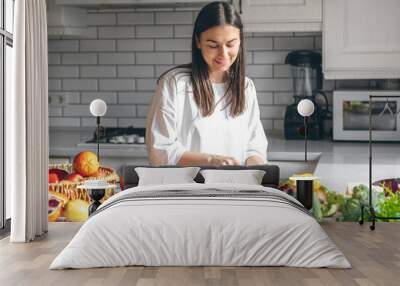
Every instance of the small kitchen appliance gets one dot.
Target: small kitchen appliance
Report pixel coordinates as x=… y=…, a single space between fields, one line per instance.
x=307 y=84
x=351 y=115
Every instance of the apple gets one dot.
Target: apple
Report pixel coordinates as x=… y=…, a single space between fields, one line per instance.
x=74 y=177
x=53 y=178
x=61 y=174
x=100 y=174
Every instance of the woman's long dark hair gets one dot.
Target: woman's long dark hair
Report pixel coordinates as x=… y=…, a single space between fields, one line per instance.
x=215 y=14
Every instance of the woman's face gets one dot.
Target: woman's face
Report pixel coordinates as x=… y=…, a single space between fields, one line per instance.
x=219 y=46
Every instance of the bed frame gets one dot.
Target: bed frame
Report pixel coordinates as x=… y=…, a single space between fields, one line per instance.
x=270 y=179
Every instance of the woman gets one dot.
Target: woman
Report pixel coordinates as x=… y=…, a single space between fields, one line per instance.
x=206 y=112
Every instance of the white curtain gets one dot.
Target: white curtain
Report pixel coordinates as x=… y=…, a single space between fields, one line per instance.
x=27 y=123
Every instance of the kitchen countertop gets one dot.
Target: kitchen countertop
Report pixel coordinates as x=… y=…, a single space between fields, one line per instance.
x=339 y=163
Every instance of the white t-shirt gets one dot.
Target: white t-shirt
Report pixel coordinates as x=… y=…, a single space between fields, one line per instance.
x=175 y=123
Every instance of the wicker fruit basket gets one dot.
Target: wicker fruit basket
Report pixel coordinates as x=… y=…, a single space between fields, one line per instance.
x=69 y=189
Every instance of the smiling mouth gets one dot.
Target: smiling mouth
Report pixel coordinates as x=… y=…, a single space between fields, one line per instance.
x=222 y=63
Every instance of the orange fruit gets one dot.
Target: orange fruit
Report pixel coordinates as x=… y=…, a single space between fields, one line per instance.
x=86 y=163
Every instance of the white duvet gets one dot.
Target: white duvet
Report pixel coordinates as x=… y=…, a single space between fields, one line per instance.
x=183 y=231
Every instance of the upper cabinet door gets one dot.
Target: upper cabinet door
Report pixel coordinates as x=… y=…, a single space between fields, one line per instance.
x=280 y=15
x=361 y=39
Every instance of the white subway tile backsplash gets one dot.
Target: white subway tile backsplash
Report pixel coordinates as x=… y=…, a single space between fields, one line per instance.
x=135 y=45
x=54 y=59
x=138 y=97
x=105 y=122
x=290 y=43
x=146 y=84
x=161 y=69
x=63 y=71
x=135 y=18
x=183 y=31
x=154 y=31
x=154 y=9
x=174 y=18
x=117 y=84
x=188 y=8
x=160 y=58
x=108 y=97
x=64 y=122
x=55 y=111
x=100 y=19
x=278 y=124
x=283 y=98
x=116 y=58
x=135 y=122
x=77 y=110
x=275 y=84
x=264 y=98
x=249 y=58
x=282 y=71
x=136 y=71
x=63 y=46
x=69 y=97
x=259 y=71
x=90 y=33
x=54 y=84
x=269 y=57
x=127 y=49
x=79 y=84
x=173 y=45
x=121 y=111
x=267 y=124
x=79 y=59
x=182 y=58
x=303 y=34
x=142 y=110
x=272 y=112
x=253 y=44
x=115 y=32
x=98 y=71
x=272 y=34
x=112 y=111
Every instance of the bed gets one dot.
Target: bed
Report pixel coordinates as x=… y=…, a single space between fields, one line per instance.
x=198 y=224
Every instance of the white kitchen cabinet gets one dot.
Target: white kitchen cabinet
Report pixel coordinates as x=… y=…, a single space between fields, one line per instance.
x=361 y=39
x=70 y=22
x=280 y=15
x=115 y=3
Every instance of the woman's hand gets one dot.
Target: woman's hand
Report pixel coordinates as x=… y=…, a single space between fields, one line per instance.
x=254 y=160
x=203 y=159
x=217 y=160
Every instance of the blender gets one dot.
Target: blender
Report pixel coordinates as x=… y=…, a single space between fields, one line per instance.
x=306 y=71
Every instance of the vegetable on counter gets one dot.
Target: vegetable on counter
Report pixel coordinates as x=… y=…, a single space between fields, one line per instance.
x=347 y=206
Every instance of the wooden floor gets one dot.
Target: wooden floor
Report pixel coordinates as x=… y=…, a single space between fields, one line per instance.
x=375 y=257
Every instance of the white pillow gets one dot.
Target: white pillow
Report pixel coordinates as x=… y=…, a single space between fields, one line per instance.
x=249 y=177
x=163 y=176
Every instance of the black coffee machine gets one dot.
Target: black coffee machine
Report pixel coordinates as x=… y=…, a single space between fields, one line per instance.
x=307 y=84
